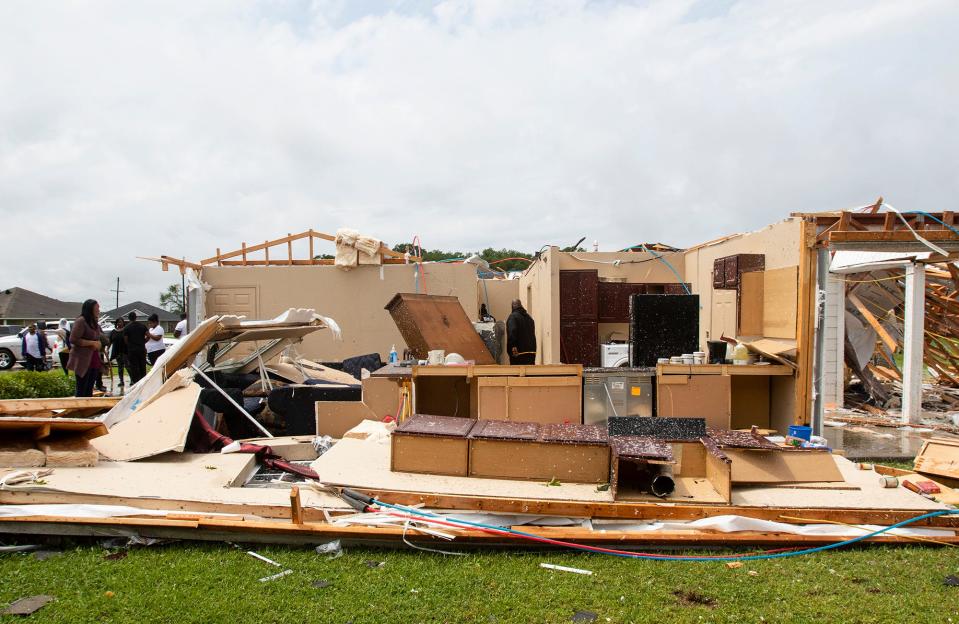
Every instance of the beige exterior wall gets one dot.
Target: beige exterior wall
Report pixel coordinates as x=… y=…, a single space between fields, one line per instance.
x=539 y=292
x=780 y=243
x=355 y=299
x=499 y=293
x=634 y=267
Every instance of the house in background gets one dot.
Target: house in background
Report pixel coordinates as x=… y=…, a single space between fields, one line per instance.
x=19 y=306
x=143 y=310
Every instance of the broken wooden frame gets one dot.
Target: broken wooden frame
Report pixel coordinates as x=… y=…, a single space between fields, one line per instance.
x=240 y=257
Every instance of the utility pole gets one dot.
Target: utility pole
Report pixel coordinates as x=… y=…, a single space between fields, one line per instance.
x=117 y=291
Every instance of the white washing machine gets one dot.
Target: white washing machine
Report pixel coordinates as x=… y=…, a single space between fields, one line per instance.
x=614 y=355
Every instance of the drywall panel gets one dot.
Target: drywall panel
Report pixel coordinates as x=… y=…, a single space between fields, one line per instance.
x=723 y=321
x=752 y=466
x=334 y=418
x=751 y=305
x=779 y=242
x=632 y=267
x=780 y=302
x=354 y=299
x=382 y=396
x=157 y=428
x=539 y=292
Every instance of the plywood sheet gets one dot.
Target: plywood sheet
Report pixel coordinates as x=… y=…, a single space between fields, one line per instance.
x=159 y=427
x=382 y=396
x=40 y=428
x=780 y=302
x=751 y=304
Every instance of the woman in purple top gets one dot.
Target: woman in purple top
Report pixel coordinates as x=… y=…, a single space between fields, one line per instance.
x=85 y=347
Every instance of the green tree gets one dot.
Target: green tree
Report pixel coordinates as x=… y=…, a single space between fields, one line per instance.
x=171 y=299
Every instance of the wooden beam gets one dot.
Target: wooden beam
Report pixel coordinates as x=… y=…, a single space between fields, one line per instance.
x=899 y=236
x=289 y=249
x=266 y=251
x=24 y=406
x=889 y=223
x=311 y=244
x=243 y=249
x=296 y=507
x=805 y=332
x=254 y=248
x=888 y=340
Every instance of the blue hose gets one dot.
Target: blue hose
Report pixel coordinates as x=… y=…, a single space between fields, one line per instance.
x=926 y=214
x=794 y=553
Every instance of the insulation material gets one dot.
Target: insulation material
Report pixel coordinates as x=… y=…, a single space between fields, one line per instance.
x=20 y=453
x=780 y=302
x=158 y=428
x=352 y=249
x=71 y=452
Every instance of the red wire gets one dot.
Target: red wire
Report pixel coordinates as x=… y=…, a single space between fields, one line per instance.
x=547 y=540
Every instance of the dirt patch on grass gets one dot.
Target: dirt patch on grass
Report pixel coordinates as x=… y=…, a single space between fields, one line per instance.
x=694 y=599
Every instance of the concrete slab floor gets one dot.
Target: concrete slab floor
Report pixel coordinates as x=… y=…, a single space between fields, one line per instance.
x=868 y=441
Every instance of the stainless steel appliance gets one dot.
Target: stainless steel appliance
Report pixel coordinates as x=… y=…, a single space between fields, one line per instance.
x=608 y=393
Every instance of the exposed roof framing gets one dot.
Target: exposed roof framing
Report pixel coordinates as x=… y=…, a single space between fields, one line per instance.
x=240 y=257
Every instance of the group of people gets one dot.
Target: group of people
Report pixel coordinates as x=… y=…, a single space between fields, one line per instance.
x=130 y=344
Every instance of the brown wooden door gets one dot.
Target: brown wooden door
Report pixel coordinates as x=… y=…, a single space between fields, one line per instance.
x=614 y=300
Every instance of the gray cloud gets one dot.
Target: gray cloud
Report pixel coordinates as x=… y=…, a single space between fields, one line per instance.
x=133 y=129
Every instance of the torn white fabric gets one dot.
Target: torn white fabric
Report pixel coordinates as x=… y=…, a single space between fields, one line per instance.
x=346 y=254
x=332 y=325
x=733 y=524
x=85 y=511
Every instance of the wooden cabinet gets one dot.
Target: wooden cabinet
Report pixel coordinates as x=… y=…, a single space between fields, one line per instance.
x=541 y=400
x=579 y=342
x=727 y=270
x=614 y=300
x=578 y=295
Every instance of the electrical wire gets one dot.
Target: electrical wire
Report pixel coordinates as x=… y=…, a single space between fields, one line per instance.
x=934 y=218
x=869 y=281
x=922 y=240
x=655 y=556
x=666 y=262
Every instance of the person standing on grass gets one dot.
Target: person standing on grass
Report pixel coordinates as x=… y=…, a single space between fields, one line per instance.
x=181 y=328
x=118 y=348
x=85 y=348
x=155 y=344
x=135 y=337
x=34 y=348
x=63 y=333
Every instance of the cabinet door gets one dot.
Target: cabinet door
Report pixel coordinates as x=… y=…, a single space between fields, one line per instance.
x=578 y=295
x=719 y=273
x=579 y=343
x=732 y=271
x=614 y=300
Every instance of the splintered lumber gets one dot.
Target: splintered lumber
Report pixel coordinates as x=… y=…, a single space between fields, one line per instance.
x=73 y=452
x=43 y=427
x=20 y=453
x=63 y=407
x=939 y=456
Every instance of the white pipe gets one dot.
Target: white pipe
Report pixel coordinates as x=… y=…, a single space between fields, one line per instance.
x=234 y=403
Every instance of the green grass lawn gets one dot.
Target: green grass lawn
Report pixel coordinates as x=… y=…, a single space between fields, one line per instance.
x=186 y=582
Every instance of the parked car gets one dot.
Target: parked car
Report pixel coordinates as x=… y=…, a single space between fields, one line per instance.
x=10 y=348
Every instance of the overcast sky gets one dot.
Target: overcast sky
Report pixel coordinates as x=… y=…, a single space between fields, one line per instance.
x=148 y=128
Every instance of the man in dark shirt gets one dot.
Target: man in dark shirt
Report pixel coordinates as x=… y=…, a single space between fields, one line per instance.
x=118 y=348
x=135 y=336
x=520 y=336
